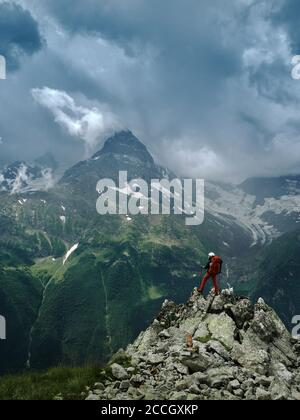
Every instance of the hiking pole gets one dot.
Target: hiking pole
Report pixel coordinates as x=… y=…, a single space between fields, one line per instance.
x=201 y=275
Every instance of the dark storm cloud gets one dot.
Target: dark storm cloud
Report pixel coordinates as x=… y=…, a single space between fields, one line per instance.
x=205 y=84
x=19 y=33
x=183 y=57
x=186 y=36
x=288 y=15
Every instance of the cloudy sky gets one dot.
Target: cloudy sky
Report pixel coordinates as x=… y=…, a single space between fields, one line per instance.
x=206 y=84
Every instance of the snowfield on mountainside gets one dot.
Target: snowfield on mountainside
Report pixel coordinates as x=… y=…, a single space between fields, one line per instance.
x=243 y=209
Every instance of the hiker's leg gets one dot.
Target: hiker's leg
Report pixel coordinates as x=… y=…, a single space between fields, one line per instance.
x=204 y=281
x=215 y=281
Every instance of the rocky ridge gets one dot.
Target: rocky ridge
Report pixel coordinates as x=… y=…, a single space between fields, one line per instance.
x=222 y=348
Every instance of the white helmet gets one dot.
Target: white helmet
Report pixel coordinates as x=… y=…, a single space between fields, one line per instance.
x=211 y=254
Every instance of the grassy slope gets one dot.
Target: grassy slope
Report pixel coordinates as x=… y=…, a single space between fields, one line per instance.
x=20 y=296
x=109 y=290
x=111 y=287
x=60 y=383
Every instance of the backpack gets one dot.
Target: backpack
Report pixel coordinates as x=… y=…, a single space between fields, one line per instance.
x=216 y=265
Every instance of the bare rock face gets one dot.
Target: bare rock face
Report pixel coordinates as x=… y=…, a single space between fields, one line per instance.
x=219 y=348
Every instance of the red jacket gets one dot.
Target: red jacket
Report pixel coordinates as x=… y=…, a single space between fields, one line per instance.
x=215 y=266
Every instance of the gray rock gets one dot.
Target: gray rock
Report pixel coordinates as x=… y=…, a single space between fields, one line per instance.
x=181 y=368
x=190 y=325
x=252 y=354
x=263 y=395
x=200 y=378
x=93 y=397
x=242 y=312
x=217 y=347
x=178 y=396
x=119 y=372
x=135 y=393
x=155 y=359
x=137 y=379
x=228 y=396
x=234 y=384
x=164 y=334
x=181 y=385
x=239 y=393
x=194 y=389
x=248 y=384
x=202 y=334
x=197 y=363
x=193 y=397
x=249 y=395
x=280 y=372
x=222 y=329
x=124 y=385
x=263 y=381
x=279 y=391
x=296 y=395
x=98 y=392
x=264 y=327
x=220 y=377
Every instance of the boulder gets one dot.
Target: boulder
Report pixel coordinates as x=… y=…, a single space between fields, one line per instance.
x=202 y=334
x=238 y=352
x=119 y=372
x=220 y=377
x=155 y=359
x=222 y=329
x=252 y=354
x=263 y=395
x=197 y=362
x=241 y=312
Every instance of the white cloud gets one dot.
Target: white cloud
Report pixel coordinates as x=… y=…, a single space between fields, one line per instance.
x=188 y=160
x=151 y=64
x=89 y=124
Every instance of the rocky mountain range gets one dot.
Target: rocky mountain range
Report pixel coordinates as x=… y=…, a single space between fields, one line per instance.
x=21 y=177
x=222 y=348
x=76 y=286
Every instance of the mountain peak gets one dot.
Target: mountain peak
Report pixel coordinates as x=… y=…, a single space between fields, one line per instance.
x=125 y=143
x=222 y=348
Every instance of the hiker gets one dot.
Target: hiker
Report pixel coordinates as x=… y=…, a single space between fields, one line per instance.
x=213 y=267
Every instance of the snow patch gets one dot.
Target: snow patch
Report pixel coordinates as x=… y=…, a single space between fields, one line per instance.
x=70 y=252
x=63 y=219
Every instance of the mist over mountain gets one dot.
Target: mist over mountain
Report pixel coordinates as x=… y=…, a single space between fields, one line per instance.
x=19 y=177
